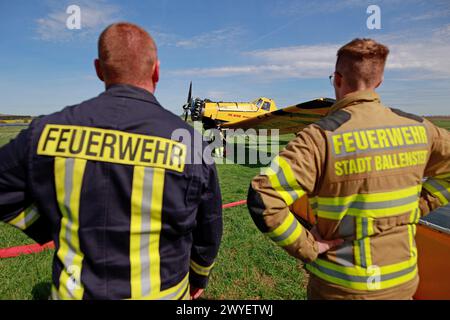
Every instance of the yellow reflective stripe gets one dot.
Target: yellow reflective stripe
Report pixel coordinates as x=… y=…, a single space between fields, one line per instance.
x=25 y=219
x=156 y=226
x=356 y=243
x=187 y=295
x=287 y=232
x=145 y=231
x=135 y=232
x=439 y=188
x=176 y=292
x=386 y=284
x=399 y=280
x=415 y=216
x=435 y=193
x=374 y=205
x=411 y=236
x=200 y=270
x=283 y=180
x=361 y=246
x=360 y=271
x=54 y=293
x=371 y=197
x=358 y=278
x=290 y=176
x=287 y=198
x=442 y=176
x=367 y=242
x=370 y=213
x=313 y=203
x=68 y=184
x=293 y=237
x=443 y=183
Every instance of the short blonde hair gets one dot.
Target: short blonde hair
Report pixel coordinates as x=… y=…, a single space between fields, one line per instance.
x=362 y=61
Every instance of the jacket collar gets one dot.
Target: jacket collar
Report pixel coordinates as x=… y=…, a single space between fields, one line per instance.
x=354 y=98
x=130 y=91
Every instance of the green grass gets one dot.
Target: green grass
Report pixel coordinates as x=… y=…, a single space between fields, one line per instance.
x=442 y=123
x=7 y=133
x=248 y=266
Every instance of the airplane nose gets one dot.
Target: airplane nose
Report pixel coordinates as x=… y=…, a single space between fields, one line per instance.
x=197 y=109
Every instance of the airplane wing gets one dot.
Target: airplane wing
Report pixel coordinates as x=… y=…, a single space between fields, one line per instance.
x=288 y=120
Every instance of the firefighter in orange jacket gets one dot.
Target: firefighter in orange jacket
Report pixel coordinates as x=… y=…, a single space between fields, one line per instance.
x=362 y=168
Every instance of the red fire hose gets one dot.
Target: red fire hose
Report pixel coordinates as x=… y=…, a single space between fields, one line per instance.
x=35 y=248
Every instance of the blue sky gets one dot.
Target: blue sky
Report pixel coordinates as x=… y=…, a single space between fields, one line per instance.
x=231 y=50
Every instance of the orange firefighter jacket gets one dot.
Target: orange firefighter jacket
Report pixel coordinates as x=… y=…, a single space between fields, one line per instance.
x=370 y=172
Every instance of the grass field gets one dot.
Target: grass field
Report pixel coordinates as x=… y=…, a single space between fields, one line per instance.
x=442 y=123
x=249 y=266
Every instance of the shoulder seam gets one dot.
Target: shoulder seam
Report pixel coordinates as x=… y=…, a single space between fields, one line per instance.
x=334 y=120
x=407 y=115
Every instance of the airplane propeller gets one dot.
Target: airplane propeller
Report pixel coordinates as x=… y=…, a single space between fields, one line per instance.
x=188 y=104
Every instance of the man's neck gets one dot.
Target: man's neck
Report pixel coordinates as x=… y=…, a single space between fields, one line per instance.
x=148 y=87
x=345 y=94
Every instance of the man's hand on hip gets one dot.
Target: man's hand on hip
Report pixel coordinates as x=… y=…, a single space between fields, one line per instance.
x=325 y=245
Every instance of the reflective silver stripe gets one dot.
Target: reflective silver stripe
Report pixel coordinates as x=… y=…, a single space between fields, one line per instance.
x=344 y=255
x=439 y=188
x=183 y=287
x=30 y=216
x=25 y=219
x=362 y=279
x=287 y=233
x=54 y=294
x=282 y=179
x=145 y=232
x=361 y=205
x=197 y=268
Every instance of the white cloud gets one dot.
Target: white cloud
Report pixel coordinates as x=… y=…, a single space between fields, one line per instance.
x=436 y=14
x=421 y=58
x=308 y=8
x=287 y=62
x=95 y=15
x=214 y=38
x=412 y=58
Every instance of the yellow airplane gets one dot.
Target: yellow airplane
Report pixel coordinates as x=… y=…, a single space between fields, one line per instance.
x=261 y=113
x=433 y=232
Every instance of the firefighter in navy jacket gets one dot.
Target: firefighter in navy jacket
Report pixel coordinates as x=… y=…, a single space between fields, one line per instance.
x=133 y=212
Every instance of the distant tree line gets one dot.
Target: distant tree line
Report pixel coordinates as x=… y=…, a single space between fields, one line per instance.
x=15 y=119
x=438 y=117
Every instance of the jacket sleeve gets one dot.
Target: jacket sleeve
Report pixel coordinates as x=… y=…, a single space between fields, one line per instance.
x=436 y=188
x=295 y=172
x=208 y=232
x=16 y=204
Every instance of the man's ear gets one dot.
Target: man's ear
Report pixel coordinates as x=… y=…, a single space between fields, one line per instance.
x=98 y=70
x=155 y=75
x=337 y=80
x=379 y=83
